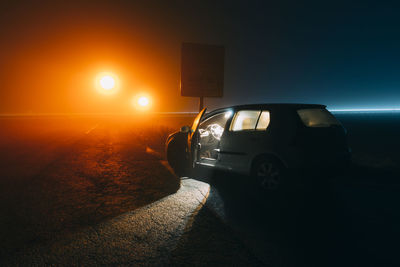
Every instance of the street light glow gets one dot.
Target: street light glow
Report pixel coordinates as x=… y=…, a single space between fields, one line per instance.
x=107 y=82
x=143 y=101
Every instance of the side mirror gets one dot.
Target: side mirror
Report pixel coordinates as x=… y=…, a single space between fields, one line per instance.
x=185 y=129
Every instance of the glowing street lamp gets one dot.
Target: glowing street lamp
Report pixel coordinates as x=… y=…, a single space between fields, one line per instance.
x=107 y=83
x=143 y=101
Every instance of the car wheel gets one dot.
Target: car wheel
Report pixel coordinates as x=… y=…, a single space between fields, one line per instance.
x=268 y=174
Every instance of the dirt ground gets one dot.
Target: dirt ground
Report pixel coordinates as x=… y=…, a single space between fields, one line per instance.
x=59 y=175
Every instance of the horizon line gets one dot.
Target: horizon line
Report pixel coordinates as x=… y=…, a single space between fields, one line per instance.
x=176 y=112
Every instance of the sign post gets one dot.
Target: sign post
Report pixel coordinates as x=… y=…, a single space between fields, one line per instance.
x=202 y=71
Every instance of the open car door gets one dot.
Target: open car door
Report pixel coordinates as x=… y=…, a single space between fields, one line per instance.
x=193 y=137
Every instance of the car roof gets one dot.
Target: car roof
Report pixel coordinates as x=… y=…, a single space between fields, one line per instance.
x=271 y=106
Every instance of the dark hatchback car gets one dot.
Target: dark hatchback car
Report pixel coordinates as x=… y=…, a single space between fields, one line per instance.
x=262 y=141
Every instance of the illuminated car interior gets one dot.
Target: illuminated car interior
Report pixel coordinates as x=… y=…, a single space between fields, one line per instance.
x=210 y=131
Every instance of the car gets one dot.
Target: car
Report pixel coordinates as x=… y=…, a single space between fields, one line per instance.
x=261 y=141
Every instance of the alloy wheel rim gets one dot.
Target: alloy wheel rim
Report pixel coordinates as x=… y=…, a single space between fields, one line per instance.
x=268 y=176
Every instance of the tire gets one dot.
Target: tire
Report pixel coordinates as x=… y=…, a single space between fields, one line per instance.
x=269 y=174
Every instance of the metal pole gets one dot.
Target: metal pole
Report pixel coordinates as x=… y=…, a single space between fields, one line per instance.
x=201 y=106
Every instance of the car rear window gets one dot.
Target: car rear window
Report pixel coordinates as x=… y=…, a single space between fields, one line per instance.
x=317 y=117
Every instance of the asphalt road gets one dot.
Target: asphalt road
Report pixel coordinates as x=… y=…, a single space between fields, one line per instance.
x=96 y=191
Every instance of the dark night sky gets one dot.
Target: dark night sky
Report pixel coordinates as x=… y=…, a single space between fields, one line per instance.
x=342 y=54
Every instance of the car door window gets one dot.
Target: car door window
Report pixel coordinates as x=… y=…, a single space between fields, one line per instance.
x=211 y=130
x=245 y=120
x=250 y=120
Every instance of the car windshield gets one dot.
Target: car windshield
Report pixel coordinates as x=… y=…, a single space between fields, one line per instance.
x=317 y=117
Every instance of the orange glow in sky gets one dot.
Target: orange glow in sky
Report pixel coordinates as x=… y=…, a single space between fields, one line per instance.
x=88 y=58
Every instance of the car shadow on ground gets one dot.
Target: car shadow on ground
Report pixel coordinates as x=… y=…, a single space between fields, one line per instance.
x=347 y=219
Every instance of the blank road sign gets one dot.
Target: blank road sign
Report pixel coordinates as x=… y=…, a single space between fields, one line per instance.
x=202 y=70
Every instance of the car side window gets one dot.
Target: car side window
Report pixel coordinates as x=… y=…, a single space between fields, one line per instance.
x=263 y=121
x=317 y=117
x=211 y=130
x=214 y=126
x=250 y=120
x=245 y=120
